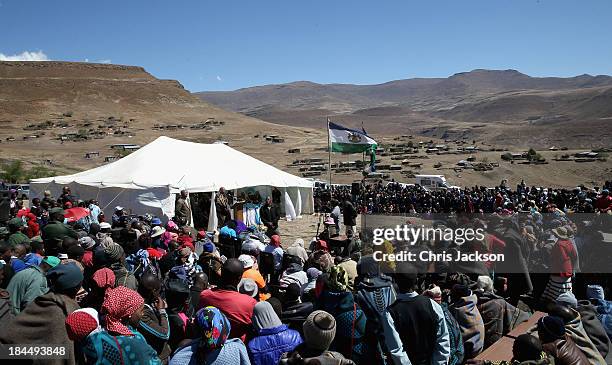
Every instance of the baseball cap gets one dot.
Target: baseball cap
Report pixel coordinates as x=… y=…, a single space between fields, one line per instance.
x=17 y=222
x=57 y=210
x=51 y=261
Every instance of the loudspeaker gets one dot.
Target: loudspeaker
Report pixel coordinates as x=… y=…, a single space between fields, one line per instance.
x=5 y=205
x=355 y=188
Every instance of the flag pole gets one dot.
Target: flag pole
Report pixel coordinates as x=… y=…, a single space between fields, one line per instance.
x=329 y=154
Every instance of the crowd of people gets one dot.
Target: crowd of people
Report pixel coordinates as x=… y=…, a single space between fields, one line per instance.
x=144 y=290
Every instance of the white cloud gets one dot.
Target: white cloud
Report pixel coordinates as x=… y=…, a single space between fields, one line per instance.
x=219 y=78
x=104 y=61
x=25 y=56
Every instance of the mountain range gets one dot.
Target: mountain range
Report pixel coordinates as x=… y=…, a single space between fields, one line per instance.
x=494 y=102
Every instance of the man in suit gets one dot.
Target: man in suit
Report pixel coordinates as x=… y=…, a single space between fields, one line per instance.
x=269 y=217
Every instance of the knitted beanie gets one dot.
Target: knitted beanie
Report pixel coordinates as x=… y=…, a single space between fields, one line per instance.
x=567 y=299
x=551 y=327
x=114 y=252
x=319 y=330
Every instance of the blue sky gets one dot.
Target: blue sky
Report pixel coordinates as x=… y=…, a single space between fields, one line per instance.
x=225 y=45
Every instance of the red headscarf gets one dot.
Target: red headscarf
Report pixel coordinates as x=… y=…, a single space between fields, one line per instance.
x=104 y=278
x=321 y=245
x=81 y=323
x=119 y=304
x=275 y=240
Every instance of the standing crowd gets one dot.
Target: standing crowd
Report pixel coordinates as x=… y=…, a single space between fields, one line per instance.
x=132 y=289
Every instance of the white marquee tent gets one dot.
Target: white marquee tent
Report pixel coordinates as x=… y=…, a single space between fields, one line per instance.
x=147 y=180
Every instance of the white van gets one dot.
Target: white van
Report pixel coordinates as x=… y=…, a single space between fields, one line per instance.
x=433 y=182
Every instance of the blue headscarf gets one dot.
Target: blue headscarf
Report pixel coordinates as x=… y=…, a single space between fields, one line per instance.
x=215 y=328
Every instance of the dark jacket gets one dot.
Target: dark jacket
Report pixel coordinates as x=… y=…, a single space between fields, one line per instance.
x=6 y=311
x=56 y=231
x=182 y=210
x=294 y=314
x=269 y=215
x=123 y=277
x=593 y=327
x=565 y=352
x=155 y=328
x=349 y=215
x=271 y=343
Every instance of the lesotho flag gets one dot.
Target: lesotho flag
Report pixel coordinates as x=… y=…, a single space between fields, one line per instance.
x=347 y=140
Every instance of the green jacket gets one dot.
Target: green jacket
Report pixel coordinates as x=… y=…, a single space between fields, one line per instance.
x=57 y=231
x=17 y=238
x=26 y=286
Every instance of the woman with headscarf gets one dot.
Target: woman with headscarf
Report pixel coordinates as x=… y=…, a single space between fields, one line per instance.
x=297 y=249
x=101 y=280
x=272 y=337
x=82 y=323
x=312 y=274
x=100 y=347
x=123 y=308
x=213 y=347
x=294 y=273
x=188 y=260
x=337 y=300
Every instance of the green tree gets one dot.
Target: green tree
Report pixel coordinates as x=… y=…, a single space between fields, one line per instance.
x=13 y=172
x=39 y=171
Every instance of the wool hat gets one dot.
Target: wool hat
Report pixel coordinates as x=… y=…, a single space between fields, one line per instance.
x=157 y=231
x=567 y=299
x=248 y=287
x=313 y=273
x=560 y=232
x=208 y=247
x=87 y=242
x=51 y=261
x=75 y=251
x=434 y=293
x=485 y=283
x=247 y=261
x=319 y=330
x=114 y=252
x=461 y=291
x=552 y=327
x=65 y=276
x=595 y=292
x=293 y=291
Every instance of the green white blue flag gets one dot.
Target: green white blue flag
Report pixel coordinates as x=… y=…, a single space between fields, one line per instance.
x=347 y=140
